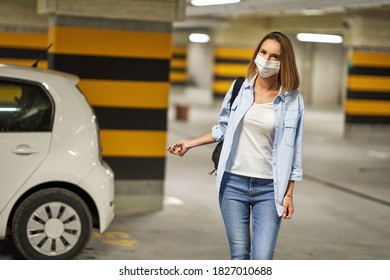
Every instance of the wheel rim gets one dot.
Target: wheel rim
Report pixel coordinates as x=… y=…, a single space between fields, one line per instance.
x=54 y=228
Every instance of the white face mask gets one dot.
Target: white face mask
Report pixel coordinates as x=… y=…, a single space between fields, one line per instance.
x=267 y=68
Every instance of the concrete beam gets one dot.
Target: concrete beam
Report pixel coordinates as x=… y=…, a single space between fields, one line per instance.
x=21 y=15
x=369 y=32
x=246 y=32
x=150 y=10
x=358 y=30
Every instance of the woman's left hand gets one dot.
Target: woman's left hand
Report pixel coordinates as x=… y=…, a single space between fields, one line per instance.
x=288 y=207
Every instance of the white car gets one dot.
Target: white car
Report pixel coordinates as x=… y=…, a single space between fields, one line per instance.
x=54 y=186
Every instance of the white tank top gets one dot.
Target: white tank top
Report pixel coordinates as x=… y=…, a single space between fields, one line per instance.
x=253 y=157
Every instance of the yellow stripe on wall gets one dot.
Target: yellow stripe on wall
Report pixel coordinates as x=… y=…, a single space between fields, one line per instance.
x=367 y=107
x=226 y=69
x=134 y=143
x=130 y=94
x=368 y=83
x=233 y=53
x=222 y=86
x=105 y=42
x=175 y=76
x=179 y=50
x=23 y=40
x=178 y=63
x=370 y=59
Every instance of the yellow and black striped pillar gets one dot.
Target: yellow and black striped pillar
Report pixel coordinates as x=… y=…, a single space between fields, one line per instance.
x=124 y=69
x=178 y=74
x=23 y=48
x=368 y=88
x=229 y=63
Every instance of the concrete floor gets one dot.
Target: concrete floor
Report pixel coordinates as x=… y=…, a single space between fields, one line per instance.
x=342 y=207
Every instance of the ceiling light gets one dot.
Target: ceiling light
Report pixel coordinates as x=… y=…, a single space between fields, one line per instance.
x=319 y=38
x=199 y=38
x=212 y=2
x=313 y=12
x=9 y=109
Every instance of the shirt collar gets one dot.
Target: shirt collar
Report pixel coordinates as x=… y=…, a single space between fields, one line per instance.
x=281 y=94
x=252 y=82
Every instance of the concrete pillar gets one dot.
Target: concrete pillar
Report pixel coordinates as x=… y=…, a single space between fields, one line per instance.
x=229 y=64
x=121 y=50
x=200 y=61
x=178 y=74
x=367 y=103
x=327 y=75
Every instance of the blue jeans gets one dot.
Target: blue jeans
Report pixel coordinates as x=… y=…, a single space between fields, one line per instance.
x=239 y=197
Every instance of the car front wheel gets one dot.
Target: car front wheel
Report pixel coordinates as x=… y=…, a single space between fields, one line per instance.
x=51 y=224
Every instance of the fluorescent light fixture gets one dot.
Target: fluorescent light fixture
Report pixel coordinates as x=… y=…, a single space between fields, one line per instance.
x=199 y=38
x=213 y=2
x=9 y=109
x=319 y=38
x=313 y=12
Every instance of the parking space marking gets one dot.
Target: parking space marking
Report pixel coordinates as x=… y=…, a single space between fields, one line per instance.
x=116 y=238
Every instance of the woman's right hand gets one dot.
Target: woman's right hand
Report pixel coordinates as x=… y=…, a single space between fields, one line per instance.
x=182 y=147
x=179 y=148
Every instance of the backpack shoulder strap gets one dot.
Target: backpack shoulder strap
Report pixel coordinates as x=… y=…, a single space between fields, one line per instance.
x=236 y=89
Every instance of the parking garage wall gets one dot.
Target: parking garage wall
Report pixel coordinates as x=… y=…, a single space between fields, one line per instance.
x=23 y=47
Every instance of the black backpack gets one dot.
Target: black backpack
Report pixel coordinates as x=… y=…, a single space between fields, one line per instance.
x=218 y=148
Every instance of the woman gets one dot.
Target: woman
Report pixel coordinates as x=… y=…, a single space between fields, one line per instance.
x=261 y=156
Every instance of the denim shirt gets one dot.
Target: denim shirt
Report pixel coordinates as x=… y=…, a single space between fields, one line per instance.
x=287 y=147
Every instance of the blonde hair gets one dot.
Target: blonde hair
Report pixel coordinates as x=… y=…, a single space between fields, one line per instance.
x=288 y=76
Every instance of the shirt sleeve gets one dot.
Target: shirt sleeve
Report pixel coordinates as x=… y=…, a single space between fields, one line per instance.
x=297 y=171
x=218 y=130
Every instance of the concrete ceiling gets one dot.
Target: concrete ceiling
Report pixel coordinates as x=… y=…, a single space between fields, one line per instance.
x=212 y=17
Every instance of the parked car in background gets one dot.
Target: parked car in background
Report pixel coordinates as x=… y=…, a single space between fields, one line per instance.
x=54 y=186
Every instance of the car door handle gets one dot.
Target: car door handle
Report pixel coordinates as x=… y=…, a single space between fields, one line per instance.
x=24 y=150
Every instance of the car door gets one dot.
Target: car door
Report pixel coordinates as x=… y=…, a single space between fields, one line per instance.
x=26 y=116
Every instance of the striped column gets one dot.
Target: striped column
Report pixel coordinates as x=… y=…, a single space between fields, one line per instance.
x=229 y=63
x=23 y=48
x=124 y=69
x=178 y=74
x=368 y=92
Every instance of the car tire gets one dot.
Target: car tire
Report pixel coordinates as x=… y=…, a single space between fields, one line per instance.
x=51 y=224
